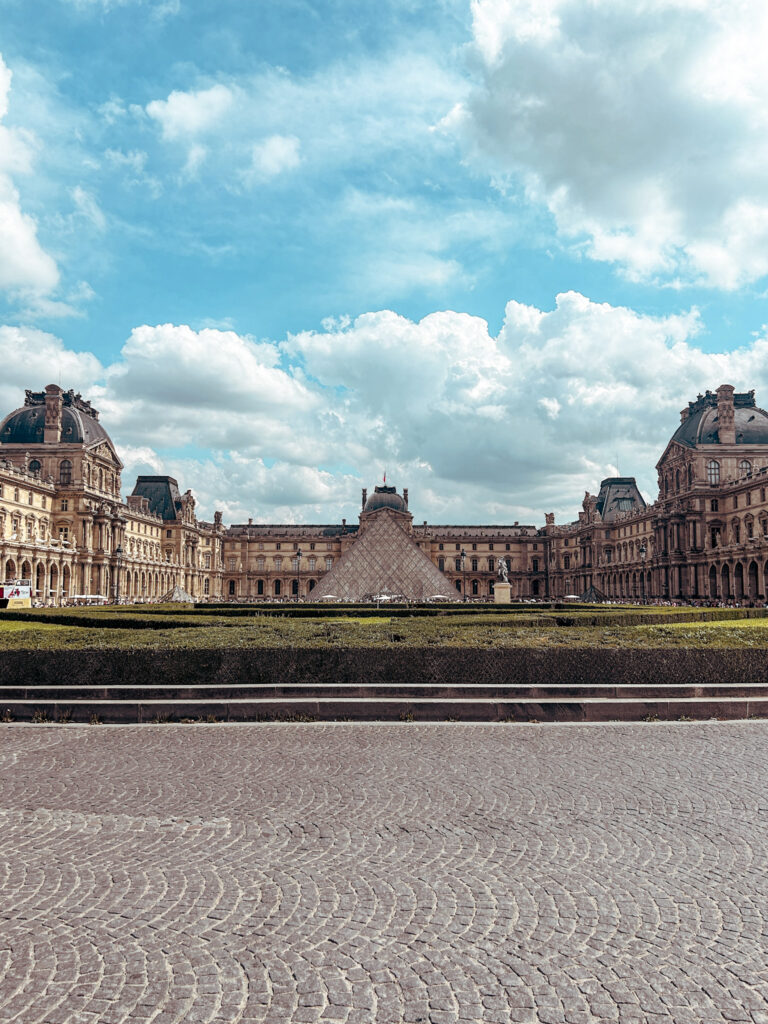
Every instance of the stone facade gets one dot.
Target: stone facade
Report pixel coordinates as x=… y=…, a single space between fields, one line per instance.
x=64 y=524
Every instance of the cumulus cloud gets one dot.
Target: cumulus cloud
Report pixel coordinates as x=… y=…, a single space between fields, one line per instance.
x=186 y=115
x=481 y=427
x=640 y=126
x=274 y=155
x=25 y=267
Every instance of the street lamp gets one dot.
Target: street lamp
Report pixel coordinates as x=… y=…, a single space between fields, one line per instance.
x=643 y=553
x=298 y=574
x=464 y=574
x=118 y=560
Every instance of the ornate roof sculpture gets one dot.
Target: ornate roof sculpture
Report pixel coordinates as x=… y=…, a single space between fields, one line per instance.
x=703 y=421
x=383 y=560
x=78 y=422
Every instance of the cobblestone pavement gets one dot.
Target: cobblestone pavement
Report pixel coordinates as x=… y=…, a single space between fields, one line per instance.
x=384 y=873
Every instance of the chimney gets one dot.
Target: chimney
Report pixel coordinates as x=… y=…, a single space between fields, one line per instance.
x=684 y=413
x=726 y=428
x=250 y=521
x=405 y=496
x=365 y=497
x=53 y=404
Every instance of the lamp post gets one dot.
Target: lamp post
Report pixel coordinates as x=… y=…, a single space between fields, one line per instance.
x=298 y=574
x=643 y=553
x=463 y=575
x=118 y=560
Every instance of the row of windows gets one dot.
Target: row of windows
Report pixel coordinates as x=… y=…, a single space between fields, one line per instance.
x=278 y=564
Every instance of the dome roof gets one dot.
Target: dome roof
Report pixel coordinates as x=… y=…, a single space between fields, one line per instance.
x=79 y=422
x=385 y=497
x=701 y=424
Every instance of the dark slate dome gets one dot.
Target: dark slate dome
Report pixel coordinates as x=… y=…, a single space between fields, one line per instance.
x=79 y=422
x=701 y=424
x=385 y=497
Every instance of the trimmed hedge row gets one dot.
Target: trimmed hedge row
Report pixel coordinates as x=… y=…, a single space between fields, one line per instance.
x=380 y=667
x=94 y=620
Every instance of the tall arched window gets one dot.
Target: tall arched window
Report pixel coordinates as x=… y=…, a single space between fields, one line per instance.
x=34 y=466
x=277 y=588
x=745 y=466
x=65 y=472
x=713 y=472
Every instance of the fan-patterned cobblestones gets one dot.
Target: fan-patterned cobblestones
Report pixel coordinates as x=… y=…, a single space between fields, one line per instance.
x=404 y=873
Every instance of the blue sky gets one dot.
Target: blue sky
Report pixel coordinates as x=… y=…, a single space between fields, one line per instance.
x=491 y=246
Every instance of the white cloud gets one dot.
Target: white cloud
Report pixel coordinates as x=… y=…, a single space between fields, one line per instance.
x=186 y=115
x=274 y=155
x=480 y=426
x=641 y=126
x=25 y=267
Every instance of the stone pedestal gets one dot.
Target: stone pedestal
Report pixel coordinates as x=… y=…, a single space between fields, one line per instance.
x=501 y=592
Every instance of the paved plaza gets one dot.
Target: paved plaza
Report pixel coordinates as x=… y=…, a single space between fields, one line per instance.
x=425 y=874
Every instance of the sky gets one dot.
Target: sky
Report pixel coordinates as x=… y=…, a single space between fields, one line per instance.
x=489 y=247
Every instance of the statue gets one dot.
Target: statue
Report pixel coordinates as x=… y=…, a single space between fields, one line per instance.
x=503 y=571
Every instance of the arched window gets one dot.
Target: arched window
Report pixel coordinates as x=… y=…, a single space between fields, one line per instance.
x=311 y=584
x=745 y=466
x=277 y=588
x=231 y=588
x=713 y=472
x=260 y=587
x=34 y=466
x=458 y=585
x=65 y=472
x=475 y=588
x=295 y=588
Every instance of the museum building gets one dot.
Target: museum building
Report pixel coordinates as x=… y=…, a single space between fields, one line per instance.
x=65 y=526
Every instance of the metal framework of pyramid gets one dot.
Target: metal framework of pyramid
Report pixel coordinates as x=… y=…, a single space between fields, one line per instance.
x=384 y=560
x=177 y=594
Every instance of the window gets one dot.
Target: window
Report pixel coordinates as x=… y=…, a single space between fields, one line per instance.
x=535 y=547
x=64 y=505
x=260 y=563
x=260 y=587
x=15 y=493
x=328 y=564
x=232 y=564
x=278 y=563
x=312 y=547
x=457 y=562
x=295 y=546
x=474 y=562
x=713 y=472
x=677 y=479
x=735 y=501
x=491 y=565
x=475 y=588
x=207 y=561
x=714 y=505
x=207 y=587
x=749 y=497
x=63 y=533
x=736 y=531
x=441 y=564
x=34 y=466
x=169 y=533
x=567 y=562
x=295 y=588
x=277 y=546
x=231 y=588
x=277 y=588
x=490 y=546
x=295 y=563
x=745 y=466
x=312 y=564
x=474 y=547
x=458 y=585
x=458 y=547
x=30 y=498
x=535 y=565
x=506 y=547
x=44 y=502
x=439 y=547
x=750 y=529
